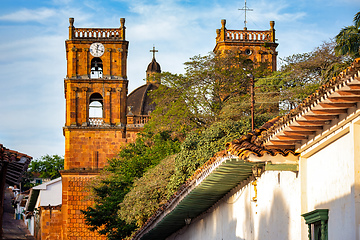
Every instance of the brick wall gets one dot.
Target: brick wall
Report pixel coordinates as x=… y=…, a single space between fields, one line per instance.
x=91 y=148
x=76 y=198
x=50 y=223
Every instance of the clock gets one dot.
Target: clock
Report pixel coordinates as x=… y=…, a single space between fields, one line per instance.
x=248 y=52
x=97 y=49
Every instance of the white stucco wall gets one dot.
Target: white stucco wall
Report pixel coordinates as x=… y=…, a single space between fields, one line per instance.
x=52 y=195
x=49 y=193
x=275 y=215
x=330 y=183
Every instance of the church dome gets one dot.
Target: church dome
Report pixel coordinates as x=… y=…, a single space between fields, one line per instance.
x=153 y=67
x=138 y=102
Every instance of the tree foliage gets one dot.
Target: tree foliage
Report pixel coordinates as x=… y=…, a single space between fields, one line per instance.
x=47 y=166
x=148 y=193
x=199 y=147
x=299 y=76
x=348 y=39
x=110 y=188
x=194 y=100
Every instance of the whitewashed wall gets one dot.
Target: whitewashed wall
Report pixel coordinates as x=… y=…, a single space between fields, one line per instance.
x=52 y=195
x=330 y=185
x=275 y=214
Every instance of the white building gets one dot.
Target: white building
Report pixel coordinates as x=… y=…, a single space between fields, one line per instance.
x=48 y=194
x=298 y=177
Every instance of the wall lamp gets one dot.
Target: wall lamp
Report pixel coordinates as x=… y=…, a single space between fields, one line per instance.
x=256 y=171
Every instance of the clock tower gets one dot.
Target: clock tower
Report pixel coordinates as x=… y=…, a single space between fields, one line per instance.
x=96 y=88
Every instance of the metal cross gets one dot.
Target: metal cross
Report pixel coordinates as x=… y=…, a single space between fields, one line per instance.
x=154 y=51
x=245 y=8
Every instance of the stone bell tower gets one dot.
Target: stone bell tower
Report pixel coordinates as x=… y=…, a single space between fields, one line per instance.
x=96 y=93
x=258 y=46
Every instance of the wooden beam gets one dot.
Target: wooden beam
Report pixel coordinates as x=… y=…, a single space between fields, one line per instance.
x=284 y=142
x=354 y=86
x=298 y=133
x=329 y=111
x=305 y=128
x=319 y=117
x=348 y=92
x=292 y=137
x=337 y=105
x=344 y=99
x=311 y=123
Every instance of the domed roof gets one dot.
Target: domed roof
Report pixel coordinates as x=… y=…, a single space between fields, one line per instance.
x=154 y=66
x=139 y=100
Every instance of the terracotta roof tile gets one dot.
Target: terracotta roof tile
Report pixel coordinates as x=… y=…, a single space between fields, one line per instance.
x=322 y=92
x=249 y=144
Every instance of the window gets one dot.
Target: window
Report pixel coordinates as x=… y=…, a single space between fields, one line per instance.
x=96 y=109
x=96 y=68
x=317 y=222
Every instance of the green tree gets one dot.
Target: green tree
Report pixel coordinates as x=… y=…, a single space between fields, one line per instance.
x=116 y=180
x=199 y=147
x=148 y=193
x=299 y=76
x=348 y=39
x=47 y=166
x=194 y=100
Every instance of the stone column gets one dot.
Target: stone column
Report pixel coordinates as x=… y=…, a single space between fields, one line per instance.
x=74 y=106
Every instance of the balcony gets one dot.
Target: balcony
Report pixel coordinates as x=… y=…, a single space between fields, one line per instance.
x=96 y=122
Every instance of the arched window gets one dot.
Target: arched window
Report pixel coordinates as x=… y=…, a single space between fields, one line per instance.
x=96 y=68
x=96 y=109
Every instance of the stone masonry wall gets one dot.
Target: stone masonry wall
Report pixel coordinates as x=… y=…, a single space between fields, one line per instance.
x=91 y=148
x=51 y=223
x=76 y=198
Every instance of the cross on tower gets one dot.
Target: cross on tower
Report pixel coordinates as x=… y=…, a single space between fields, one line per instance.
x=245 y=8
x=154 y=51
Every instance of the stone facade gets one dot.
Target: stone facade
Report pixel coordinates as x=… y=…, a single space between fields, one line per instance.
x=95 y=81
x=75 y=199
x=258 y=46
x=90 y=148
x=50 y=223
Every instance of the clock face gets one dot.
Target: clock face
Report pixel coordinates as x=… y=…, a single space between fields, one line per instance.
x=97 y=49
x=248 y=52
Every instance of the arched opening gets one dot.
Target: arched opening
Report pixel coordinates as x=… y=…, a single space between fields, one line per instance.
x=248 y=64
x=96 y=68
x=96 y=109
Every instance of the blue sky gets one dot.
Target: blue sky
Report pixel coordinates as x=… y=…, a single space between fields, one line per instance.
x=32 y=47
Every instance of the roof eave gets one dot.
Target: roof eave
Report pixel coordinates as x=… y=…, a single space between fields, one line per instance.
x=197 y=195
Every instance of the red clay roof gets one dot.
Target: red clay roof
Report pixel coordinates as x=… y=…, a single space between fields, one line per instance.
x=17 y=164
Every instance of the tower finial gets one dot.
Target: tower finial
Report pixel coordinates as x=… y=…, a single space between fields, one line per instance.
x=245 y=8
x=154 y=51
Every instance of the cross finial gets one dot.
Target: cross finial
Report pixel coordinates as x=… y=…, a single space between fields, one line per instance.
x=154 y=51
x=245 y=8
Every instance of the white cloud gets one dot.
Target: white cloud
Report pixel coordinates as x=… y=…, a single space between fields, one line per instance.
x=27 y=15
